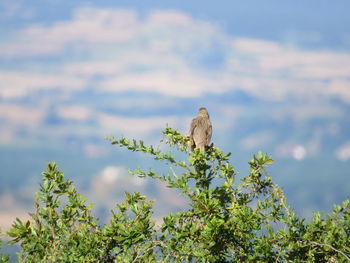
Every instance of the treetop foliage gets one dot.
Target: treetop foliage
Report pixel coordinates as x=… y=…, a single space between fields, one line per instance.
x=227 y=220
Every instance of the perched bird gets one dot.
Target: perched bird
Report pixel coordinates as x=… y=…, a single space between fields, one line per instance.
x=200 y=130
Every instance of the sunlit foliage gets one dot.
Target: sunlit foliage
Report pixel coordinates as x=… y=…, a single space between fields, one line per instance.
x=227 y=220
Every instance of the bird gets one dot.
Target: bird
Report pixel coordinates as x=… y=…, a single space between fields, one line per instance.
x=200 y=130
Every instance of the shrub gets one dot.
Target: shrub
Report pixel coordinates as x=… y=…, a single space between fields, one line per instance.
x=227 y=221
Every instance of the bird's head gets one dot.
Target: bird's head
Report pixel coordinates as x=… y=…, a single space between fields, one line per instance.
x=203 y=112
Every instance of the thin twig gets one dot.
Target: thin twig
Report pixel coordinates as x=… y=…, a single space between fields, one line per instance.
x=331 y=247
x=159 y=243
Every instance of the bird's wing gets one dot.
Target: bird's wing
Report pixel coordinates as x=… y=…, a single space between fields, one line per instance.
x=209 y=132
x=193 y=125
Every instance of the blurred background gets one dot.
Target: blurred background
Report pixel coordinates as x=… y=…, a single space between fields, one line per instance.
x=274 y=75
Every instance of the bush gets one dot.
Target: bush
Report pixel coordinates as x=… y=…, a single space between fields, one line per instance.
x=227 y=221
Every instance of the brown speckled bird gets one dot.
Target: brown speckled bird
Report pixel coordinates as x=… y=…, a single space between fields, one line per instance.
x=200 y=130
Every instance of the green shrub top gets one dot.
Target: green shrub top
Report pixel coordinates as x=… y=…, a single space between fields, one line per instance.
x=227 y=220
